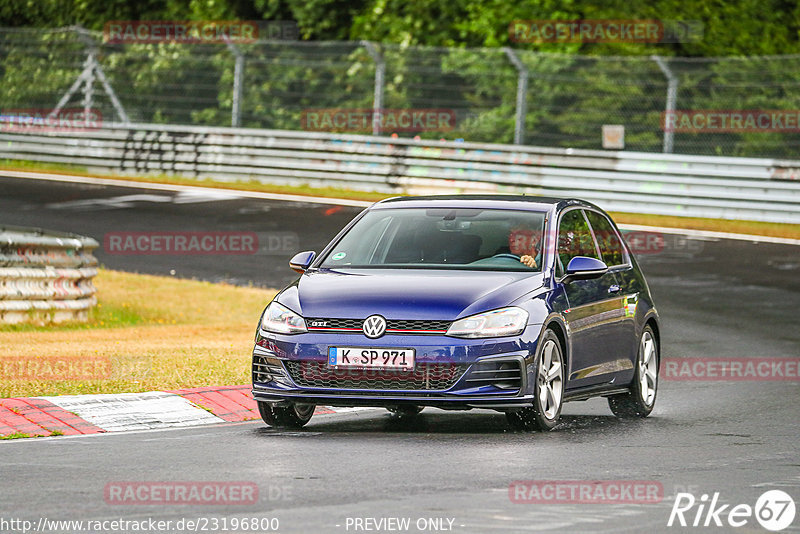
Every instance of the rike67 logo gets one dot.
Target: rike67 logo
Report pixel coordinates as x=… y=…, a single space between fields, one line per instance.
x=774 y=510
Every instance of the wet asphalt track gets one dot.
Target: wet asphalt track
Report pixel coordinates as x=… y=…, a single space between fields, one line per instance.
x=716 y=298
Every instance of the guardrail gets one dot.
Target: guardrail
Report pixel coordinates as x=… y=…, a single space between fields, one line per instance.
x=696 y=186
x=45 y=276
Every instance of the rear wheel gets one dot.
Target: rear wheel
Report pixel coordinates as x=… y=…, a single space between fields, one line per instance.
x=290 y=416
x=640 y=400
x=404 y=410
x=548 y=391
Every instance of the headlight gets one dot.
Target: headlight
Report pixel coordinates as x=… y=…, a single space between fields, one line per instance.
x=497 y=323
x=282 y=320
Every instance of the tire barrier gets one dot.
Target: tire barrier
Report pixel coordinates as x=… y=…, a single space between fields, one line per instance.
x=45 y=277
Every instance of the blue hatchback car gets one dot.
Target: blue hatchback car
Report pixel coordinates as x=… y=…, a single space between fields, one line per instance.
x=511 y=303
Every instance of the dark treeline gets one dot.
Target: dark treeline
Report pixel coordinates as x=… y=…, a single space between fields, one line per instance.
x=730 y=28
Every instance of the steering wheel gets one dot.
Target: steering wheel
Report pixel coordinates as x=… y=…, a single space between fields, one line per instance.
x=507 y=255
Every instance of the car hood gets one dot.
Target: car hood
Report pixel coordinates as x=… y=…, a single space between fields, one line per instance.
x=405 y=294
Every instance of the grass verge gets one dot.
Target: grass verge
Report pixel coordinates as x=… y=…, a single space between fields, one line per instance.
x=791 y=231
x=147 y=333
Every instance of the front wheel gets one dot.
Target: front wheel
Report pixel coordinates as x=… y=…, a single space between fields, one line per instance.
x=640 y=400
x=291 y=416
x=548 y=391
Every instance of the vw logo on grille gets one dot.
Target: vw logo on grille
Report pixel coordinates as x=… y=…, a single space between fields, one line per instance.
x=374 y=326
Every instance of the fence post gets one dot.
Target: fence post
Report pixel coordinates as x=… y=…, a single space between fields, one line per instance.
x=672 y=96
x=522 y=96
x=88 y=90
x=377 y=99
x=238 y=84
x=91 y=68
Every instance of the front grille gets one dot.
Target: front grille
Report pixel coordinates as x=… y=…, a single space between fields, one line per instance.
x=393 y=326
x=505 y=374
x=425 y=377
x=266 y=369
x=396 y=325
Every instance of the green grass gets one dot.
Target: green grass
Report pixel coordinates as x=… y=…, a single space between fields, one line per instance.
x=17 y=435
x=22 y=435
x=110 y=315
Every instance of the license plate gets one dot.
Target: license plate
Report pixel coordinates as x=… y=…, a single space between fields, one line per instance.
x=369 y=358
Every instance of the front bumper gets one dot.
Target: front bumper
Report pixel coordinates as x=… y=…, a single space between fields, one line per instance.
x=491 y=373
x=444 y=401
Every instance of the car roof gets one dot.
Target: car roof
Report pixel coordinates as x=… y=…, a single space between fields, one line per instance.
x=531 y=202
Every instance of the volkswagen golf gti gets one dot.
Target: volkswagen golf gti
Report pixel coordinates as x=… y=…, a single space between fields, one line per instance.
x=511 y=303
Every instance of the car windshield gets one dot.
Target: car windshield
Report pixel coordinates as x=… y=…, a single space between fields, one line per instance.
x=442 y=238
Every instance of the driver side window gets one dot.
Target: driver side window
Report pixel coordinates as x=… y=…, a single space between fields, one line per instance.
x=574 y=239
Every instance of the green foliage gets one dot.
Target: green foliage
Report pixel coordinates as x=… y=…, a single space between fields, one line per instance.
x=438 y=54
x=738 y=27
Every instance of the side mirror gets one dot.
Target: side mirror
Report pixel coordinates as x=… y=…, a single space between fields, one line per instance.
x=302 y=260
x=584 y=268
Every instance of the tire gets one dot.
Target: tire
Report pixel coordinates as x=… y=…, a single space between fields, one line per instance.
x=404 y=410
x=641 y=399
x=548 y=389
x=290 y=416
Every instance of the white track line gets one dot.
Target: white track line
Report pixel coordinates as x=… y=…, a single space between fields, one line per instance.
x=356 y=203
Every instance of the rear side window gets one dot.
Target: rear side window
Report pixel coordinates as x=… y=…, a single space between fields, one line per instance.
x=607 y=239
x=574 y=239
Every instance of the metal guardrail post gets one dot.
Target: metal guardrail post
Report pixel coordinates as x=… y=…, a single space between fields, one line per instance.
x=380 y=73
x=522 y=96
x=45 y=276
x=672 y=96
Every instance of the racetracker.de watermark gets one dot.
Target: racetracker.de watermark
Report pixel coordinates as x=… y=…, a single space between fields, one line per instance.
x=731 y=121
x=385 y=120
x=46 y=368
x=650 y=31
x=585 y=491
x=731 y=369
x=33 y=120
x=181 y=493
x=641 y=243
x=180 y=243
x=198 y=31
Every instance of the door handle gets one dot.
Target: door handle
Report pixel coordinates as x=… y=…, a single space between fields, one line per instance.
x=614 y=288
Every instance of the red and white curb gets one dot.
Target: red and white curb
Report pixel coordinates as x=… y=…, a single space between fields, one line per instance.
x=91 y=414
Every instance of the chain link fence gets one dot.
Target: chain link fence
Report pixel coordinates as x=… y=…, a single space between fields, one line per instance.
x=493 y=94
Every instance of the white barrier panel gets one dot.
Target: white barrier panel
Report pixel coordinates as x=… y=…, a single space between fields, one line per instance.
x=667 y=184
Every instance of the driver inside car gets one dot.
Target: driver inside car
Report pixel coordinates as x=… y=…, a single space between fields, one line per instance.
x=524 y=242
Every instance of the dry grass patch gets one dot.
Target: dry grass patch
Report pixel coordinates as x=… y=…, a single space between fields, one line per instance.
x=791 y=231
x=147 y=333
